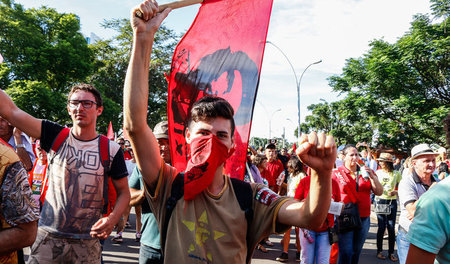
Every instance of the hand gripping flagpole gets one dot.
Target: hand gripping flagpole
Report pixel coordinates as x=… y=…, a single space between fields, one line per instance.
x=173 y=5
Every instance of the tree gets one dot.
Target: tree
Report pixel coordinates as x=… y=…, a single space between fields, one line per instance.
x=396 y=95
x=321 y=119
x=43 y=45
x=112 y=57
x=343 y=119
x=39 y=101
x=441 y=9
x=44 y=53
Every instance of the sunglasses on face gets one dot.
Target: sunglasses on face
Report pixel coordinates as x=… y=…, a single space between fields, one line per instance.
x=85 y=103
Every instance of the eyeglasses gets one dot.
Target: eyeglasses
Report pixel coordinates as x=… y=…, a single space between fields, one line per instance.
x=85 y=103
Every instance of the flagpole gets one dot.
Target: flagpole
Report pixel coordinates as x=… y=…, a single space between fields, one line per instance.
x=173 y=5
x=179 y=4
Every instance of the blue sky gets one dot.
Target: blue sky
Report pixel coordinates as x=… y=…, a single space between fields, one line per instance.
x=306 y=31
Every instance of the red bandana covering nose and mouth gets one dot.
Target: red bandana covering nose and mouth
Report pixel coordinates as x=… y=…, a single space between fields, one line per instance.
x=207 y=153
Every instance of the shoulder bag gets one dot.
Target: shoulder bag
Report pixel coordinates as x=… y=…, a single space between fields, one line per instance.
x=384 y=208
x=349 y=218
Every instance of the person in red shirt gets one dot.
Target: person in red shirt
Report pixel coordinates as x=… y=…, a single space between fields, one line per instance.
x=316 y=248
x=274 y=167
x=351 y=242
x=122 y=143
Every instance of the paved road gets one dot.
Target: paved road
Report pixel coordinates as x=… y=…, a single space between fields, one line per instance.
x=128 y=251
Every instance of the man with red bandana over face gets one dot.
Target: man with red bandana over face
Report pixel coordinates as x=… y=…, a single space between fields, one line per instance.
x=208 y=225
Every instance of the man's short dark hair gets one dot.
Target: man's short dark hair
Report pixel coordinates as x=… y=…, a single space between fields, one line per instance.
x=210 y=107
x=271 y=146
x=88 y=88
x=347 y=147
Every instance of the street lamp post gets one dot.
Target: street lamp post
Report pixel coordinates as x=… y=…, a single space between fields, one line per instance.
x=292 y=122
x=298 y=92
x=270 y=122
x=297 y=81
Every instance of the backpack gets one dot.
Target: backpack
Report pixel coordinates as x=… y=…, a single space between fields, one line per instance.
x=103 y=147
x=242 y=190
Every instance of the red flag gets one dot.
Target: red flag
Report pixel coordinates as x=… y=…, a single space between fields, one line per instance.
x=110 y=134
x=220 y=55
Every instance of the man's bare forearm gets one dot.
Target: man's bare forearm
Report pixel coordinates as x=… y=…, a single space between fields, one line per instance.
x=25 y=158
x=22 y=152
x=136 y=87
x=18 y=118
x=311 y=212
x=18 y=237
x=137 y=196
x=144 y=143
x=122 y=202
x=411 y=208
x=319 y=197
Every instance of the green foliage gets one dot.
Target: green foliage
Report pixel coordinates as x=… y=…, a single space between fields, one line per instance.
x=45 y=54
x=39 y=101
x=440 y=8
x=396 y=95
x=258 y=142
x=4 y=75
x=112 y=57
x=43 y=45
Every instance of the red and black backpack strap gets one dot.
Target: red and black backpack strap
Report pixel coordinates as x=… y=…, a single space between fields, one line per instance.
x=104 y=152
x=62 y=136
x=104 y=159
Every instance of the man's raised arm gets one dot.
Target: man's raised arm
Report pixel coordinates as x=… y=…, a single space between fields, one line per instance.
x=135 y=103
x=319 y=153
x=18 y=118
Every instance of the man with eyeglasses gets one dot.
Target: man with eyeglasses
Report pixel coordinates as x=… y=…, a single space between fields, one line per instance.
x=71 y=221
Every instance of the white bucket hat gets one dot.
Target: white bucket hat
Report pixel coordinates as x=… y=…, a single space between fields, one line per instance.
x=420 y=150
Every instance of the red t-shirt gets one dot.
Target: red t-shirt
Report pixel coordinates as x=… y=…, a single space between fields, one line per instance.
x=363 y=194
x=127 y=155
x=272 y=171
x=303 y=190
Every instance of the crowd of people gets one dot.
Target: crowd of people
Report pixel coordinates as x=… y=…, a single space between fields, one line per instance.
x=380 y=190
x=64 y=190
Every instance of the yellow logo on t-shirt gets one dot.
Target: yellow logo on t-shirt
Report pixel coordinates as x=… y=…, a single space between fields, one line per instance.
x=202 y=234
